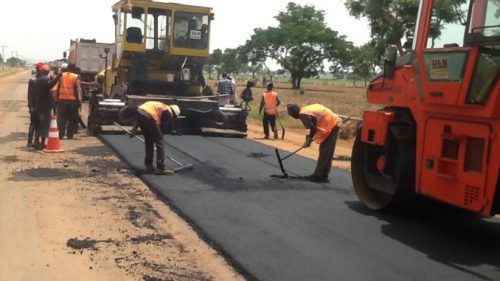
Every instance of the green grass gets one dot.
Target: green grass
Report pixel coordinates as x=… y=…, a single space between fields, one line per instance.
x=342 y=99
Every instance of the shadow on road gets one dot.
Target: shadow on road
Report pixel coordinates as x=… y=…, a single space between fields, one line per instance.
x=448 y=235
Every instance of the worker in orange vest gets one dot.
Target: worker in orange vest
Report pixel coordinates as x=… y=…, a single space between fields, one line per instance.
x=68 y=98
x=153 y=118
x=269 y=102
x=323 y=127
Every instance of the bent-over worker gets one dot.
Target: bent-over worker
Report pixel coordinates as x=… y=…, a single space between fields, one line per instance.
x=323 y=127
x=153 y=118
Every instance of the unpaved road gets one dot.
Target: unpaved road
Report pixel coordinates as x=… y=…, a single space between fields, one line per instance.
x=81 y=215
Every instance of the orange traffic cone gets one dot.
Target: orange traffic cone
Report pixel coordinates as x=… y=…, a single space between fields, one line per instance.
x=53 y=144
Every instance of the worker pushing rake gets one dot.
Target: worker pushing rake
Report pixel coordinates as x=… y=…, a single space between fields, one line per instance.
x=323 y=127
x=153 y=118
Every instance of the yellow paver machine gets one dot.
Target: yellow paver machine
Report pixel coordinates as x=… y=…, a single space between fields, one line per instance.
x=160 y=51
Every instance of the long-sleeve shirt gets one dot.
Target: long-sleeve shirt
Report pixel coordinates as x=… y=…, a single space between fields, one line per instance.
x=43 y=99
x=31 y=94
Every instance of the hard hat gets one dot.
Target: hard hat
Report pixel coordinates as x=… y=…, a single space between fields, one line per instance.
x=64 y=65
x=176 y=110
x=44 y=68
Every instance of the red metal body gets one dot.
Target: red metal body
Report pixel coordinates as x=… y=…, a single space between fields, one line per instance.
x=457 y=132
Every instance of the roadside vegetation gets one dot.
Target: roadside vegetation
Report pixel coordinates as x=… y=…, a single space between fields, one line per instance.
x=304 y=47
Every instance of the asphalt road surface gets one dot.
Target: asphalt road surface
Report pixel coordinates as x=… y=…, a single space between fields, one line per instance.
x=275 y=229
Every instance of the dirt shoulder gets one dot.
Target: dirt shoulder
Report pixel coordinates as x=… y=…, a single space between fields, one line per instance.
x=82 y=215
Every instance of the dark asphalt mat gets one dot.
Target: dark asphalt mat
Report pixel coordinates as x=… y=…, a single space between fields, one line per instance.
x=282 y=229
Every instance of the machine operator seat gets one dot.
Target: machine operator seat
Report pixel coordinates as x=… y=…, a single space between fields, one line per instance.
x=134 y=35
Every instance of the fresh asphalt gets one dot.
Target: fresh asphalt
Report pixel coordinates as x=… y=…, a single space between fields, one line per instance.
x=277 y=229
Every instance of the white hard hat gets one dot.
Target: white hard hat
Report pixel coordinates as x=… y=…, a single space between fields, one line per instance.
x=176 y=110
x=64 y=65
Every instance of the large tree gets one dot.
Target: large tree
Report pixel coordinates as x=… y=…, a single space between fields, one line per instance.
x=214 y=62
x=392 y=20
x=300 y=44
x=365 y=61
x=231 y=62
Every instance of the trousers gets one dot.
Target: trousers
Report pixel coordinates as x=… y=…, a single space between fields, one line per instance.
x=326 y=151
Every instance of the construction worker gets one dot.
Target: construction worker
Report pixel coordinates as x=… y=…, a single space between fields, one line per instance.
x=44 y=102
x=269 y=102
x=33 y=128
x=153 y=118
x=247 y=95
x=68 y=97
x=226 y=88
x=323 y=127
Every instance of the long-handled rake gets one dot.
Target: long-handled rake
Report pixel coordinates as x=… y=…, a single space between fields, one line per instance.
x=280 y=162
x=178 y=169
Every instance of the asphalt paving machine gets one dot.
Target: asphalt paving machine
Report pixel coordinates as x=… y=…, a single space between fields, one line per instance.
x=160 y=50
x=438 y=133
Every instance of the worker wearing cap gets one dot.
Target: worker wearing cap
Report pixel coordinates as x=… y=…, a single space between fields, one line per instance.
x=323 y=127
x=43 y=102
x=269 y=102
x=68 y=96
x=153 y=118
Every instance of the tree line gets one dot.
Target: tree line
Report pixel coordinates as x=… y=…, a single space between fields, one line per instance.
x=303 y=45
x=13 y=61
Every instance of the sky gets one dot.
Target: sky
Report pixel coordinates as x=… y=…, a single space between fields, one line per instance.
x=42 y=30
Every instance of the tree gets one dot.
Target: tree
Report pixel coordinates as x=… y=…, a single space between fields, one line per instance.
x=231 y=62
x=300 y=44
x=365 y=61
x=15 y=62
x=1 y=59
x=214 y=61
x=392 y=20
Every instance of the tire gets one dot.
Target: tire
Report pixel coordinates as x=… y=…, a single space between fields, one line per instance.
x=390 y=189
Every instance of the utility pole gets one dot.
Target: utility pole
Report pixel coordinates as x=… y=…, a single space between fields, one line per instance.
x=3 y=56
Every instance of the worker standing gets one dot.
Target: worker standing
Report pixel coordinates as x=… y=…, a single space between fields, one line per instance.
x=44 y=102
x=269 y=102
x=68 y=100
x=323 y=127
x=225 y=88
x=153 y=118
x=33 y=128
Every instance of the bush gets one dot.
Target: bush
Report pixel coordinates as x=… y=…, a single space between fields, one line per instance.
x=300 y=91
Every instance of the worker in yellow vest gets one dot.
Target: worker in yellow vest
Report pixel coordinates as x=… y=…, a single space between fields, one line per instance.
x=68 y=99
x=269 y=102
x=323 y=127
x=154 y=118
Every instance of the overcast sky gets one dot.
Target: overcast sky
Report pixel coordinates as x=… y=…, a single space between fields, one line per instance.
x=42 y=30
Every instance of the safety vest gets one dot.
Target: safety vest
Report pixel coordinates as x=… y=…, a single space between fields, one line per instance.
x=66 y=86
x=326 y=120
x=270 y=102
x=155 y=109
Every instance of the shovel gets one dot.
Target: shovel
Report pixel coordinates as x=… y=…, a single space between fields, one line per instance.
x=281 y=124
x=280 y=162
x=178 y=169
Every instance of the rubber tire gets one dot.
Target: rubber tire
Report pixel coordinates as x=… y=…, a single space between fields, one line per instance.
x=403 y=178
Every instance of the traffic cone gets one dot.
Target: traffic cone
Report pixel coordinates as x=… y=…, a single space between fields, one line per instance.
x=53 y=144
